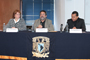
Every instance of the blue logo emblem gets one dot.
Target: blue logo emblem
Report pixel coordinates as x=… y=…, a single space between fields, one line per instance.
x=40 y=47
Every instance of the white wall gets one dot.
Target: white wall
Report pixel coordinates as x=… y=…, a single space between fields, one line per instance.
x=63 y=10
x=87 y=14
x=87 y=11
x=74 y=5
x=59 y=14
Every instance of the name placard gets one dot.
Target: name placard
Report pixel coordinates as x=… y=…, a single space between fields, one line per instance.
x=41 y=29
x=75 y=31
x=12 y=30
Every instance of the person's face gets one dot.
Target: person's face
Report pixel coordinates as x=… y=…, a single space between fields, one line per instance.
x=43 y=15
x=17 y=15
x=74 y=17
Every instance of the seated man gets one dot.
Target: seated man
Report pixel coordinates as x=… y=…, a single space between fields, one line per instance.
x=75 y=22
x=43 y=22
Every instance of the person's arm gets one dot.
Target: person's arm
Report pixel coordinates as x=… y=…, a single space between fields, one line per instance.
x=35 y=25
x=50 y=28
x=83 y=26
x=23 y=26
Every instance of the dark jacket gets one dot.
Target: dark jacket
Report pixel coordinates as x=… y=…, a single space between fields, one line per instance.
x=79 y=24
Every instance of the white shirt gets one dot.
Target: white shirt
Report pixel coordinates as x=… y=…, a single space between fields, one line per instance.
x=17 y=20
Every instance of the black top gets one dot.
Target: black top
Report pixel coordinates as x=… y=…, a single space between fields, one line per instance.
x=43 y=24
x=79 y=24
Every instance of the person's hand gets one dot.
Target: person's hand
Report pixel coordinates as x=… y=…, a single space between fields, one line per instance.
x=40 y=26
x=13 y=27
x=74 y=28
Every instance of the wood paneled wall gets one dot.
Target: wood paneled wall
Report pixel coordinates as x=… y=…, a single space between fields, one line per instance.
x=6 y=10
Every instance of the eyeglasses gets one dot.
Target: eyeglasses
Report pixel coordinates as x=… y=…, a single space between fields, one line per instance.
x=42 y=14
x=17 y=14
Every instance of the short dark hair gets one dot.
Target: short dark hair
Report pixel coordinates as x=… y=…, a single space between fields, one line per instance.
x=43 y=11
x=75 y=12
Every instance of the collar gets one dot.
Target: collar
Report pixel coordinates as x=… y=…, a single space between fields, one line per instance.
x=17 y=20
x=42 y=22
x=76 y=20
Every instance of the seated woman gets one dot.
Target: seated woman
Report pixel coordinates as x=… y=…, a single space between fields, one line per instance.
x=16 y=21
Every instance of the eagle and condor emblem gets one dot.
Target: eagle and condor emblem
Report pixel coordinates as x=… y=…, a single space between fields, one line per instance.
x=40 y=47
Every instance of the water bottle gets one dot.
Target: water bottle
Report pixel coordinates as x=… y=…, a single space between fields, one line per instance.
x=61 y=28
x=32 y=28
x=3 y=27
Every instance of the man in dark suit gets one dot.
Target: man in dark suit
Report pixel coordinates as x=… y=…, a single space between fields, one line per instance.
x=75 y=22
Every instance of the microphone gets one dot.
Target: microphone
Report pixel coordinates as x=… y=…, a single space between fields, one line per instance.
x=67 y=29
x=61 y=28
